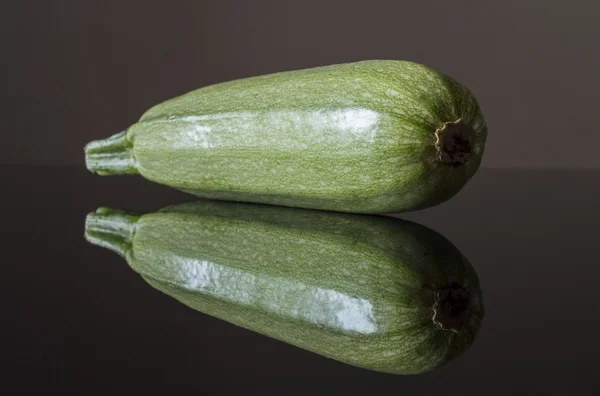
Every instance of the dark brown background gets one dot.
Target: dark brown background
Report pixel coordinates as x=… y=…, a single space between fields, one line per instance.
x=79 y=70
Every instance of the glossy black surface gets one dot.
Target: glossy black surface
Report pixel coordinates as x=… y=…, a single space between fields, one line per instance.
x=77 y=320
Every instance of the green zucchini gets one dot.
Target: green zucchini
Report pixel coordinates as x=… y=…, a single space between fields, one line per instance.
x=376 y=136
x=372 y=291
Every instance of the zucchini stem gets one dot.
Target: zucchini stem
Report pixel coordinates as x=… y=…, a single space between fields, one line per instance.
x=452 y=307
x=111 y=229
x=454 y=142
x=111 y=156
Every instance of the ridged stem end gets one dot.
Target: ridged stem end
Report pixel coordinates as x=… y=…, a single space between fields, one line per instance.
x=452 y=307
x=111 y=229
x=454 y=143
x=111 y=156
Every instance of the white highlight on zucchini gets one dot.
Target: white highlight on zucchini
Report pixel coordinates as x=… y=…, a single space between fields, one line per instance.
x=282 y=127
x=197 y=134
x=285 y=297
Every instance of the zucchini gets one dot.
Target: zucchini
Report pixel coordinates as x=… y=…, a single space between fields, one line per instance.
x=372 y=291
x=376 y=136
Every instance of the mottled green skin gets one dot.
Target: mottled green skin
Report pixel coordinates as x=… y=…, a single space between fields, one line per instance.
x=356 y=137
x=355 y=288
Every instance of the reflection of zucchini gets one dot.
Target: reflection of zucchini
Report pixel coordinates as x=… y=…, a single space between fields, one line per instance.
x=365 y=137
x=372 y=291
